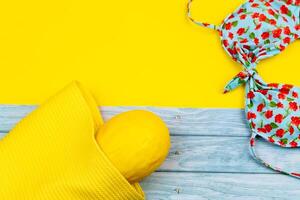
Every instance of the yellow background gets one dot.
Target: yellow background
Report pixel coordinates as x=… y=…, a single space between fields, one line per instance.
x=127 y=53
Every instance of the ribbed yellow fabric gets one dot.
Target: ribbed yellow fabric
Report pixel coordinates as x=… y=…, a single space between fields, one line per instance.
x=52 y=154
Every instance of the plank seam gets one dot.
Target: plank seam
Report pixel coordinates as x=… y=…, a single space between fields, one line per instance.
x=215 y=172
x=179 y=135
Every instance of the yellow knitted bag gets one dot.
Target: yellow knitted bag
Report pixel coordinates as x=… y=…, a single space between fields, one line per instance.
x=52 y=154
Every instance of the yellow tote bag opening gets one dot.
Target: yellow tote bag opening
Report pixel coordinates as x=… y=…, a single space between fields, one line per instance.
x=52 y=154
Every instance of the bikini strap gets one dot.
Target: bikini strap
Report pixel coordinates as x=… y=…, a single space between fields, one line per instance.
x=189 y=15
x=256 y=157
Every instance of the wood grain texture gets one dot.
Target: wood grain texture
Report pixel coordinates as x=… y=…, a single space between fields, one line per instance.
x=209 y=157
x=181 y=121
x=215 y=186
x=207 y=154
x=226 y=154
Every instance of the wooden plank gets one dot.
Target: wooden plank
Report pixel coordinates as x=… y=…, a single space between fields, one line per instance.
x=224 y=154
x=181 y=121
x=203 y=186
x=209 y=158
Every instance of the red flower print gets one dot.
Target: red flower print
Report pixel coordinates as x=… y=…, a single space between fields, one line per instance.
x=244 y=40
x=256 y=15
x=279 y=105
x=295 y=121
x=280 y=133
x=297 y=27
x=267 y=4
x=284 y=90
x=295 y=94
x=286 y=40
x=284 y=9
x=281 y=47
x=253 y=124
x=225 y=43
x=281 y=143
x=258 y=26
x=243 y=16
x=270 y=97
x=260 y=107
x=287 y=30
x=289 y=2
x=228 y=26
x=264 y=92
x=278 y=118
x=271 y=12
x=252 y=142
x=232 y=51
x=256 y=41
x=297 y=3
x=265 y=35
x=277 y=33
x=269 y=114
x=251 y=115
x=262 y=130
x=293 y=144
x=268 y=128
x=231 y=16
x=244 y=55
x=240 y=11
x=287 y=86
x=242 y=75
x=281 y=96
x=271 y=139
x=295 y=174
x=274 y=85
x=291 y=130
x=241 y=31
x=255 y=57
x=293 y=106
x=273 y=22
x=254 y=5
x=220 y=33
x=262 y=17
x=250 y=95
x=230 y=35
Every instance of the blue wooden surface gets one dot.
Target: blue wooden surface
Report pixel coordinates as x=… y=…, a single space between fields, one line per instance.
x=209 y=158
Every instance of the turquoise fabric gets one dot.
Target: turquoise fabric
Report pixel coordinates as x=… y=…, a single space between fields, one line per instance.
x=259 y=29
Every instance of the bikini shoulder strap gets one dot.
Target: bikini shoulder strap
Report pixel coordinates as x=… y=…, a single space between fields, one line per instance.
x=189 y=15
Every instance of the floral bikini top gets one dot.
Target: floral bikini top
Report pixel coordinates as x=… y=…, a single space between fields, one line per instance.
x=259 y=29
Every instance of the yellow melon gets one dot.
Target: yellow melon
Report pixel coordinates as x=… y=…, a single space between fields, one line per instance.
x=136 y=142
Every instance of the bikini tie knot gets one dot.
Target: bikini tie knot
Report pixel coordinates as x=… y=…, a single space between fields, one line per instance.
x=241 y=78
x=250 y=72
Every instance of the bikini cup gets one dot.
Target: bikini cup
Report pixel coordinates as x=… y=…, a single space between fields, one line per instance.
x=259 y=29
